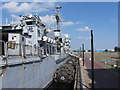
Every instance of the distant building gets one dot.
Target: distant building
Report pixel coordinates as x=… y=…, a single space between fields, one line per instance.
x=103 y=50
x=100 y=50
x=112 y=50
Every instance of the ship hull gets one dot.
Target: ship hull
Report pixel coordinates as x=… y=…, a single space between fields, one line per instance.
x=37 y=74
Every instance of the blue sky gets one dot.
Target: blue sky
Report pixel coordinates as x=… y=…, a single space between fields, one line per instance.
x=79 y=19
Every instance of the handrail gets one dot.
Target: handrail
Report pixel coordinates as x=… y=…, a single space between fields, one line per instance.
x=4 y=46
x=4 y=56
x=12 y=45
x=40 y=51
x=35 y=50
x=13 y=49
x=25 y=51
x=78 y=77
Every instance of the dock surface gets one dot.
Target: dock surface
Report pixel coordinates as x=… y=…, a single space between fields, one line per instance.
x=104 y=77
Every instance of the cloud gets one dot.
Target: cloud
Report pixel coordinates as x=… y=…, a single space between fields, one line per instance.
x=15 y=17
x=78 y=23
x=51 y=20
x=83 y=29
x=69 y=23
x=45 y=0
x=48 y=19
x=15 y=7
x=63 y=0
x=66 y=35
x=84 y=38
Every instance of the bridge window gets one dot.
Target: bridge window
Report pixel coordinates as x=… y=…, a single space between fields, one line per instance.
x=30 y=23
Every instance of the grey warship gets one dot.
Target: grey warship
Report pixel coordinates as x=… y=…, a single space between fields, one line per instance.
x=30 y=52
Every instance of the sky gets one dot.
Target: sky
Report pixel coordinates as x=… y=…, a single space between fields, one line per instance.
x=78 y=18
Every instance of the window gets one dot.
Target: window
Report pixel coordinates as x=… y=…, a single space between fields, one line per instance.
x=30 y=23
x=22 y=38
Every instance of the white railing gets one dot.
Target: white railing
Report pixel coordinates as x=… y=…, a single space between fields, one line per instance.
x=12 y=49
x=27 y=50
x=2 y=47
x=16 y=49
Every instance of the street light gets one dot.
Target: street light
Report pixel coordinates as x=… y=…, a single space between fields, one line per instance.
x=92 y=59
x=83 y=53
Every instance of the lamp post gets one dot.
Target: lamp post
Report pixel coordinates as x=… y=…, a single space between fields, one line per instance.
x=80 y=51
x=92 y=59
x=83 y=53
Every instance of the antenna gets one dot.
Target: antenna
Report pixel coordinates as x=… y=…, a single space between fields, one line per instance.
x=6 y=20
x=36 y=12
x=12 y=19
x=58 y=17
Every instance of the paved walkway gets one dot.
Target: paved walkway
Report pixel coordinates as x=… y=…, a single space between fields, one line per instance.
x=104 y=78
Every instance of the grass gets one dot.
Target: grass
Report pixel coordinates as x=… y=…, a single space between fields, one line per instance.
x=101 y=57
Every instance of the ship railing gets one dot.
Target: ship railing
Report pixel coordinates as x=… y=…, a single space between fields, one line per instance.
x=2 y=48
x=3 y=59
x=14 y=49
x=27 y=50
x=37 y=51
x=40 y=51
x=17 y=50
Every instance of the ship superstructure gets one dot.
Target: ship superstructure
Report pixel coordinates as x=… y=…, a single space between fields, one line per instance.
x=30 y=52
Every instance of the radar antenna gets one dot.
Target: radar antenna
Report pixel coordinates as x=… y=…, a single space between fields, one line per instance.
x=57 y=16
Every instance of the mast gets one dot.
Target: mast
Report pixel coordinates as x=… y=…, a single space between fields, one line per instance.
x=57 y=16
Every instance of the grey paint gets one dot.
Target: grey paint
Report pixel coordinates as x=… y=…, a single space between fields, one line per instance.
x=34 y=75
